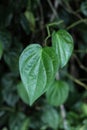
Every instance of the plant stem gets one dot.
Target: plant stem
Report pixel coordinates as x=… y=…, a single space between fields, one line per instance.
x=77 y=81
x=77 y=23
x=42 y=18
x=48 y=30
x=80 y=64
x=80 y=51
x=7 y=109
x=63 y=114
x=53 y=9
x=69 y=9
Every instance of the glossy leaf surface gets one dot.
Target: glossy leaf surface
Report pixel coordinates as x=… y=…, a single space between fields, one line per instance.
x=62 y=42
x=57 y=93
x=37 y=68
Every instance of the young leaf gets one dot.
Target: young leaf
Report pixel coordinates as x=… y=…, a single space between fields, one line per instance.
x=30 y=17
x=62 y=42
x=37 y=68
x=57 y=93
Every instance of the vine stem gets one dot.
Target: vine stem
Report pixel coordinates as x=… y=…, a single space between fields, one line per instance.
x=7 y=109
x=53 y=9
x=48 y=29
x=80 y=51
x=76 y=23
x=69 y=9
x=77 y=81
x=79 y=63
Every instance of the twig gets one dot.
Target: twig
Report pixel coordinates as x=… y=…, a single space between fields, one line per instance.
x=80 y=51
x=53 y=9
x=63 y=114
x=42 y=19
x=50 y=25
x=76 y=81
x=9 y=109
x=80 y=64
x=70 y=10
x=56 y=3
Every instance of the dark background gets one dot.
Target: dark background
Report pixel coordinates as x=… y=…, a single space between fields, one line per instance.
x=17 y=30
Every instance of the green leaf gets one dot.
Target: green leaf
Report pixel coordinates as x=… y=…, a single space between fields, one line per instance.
x=24 y=23
x=22 y=93
x=84 y=108
x=37 y=68
x=57 y=93
x=11 y=57
x=1 y=49
x=31 y=19
x=17 y=121
x=9 y=89
x=25 y=124
x=83 y=127
x=5 y=38
x=50 y=117
x=62 y=42
x=84 y=8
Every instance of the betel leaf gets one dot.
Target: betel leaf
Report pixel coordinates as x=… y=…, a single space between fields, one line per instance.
x=11 y=57
x=62 y=42
x=9 y=89
x=57 y=93
x=22 y=93
x=37 y=67
x=84 y=8
x=50 y=117
x=16 y=120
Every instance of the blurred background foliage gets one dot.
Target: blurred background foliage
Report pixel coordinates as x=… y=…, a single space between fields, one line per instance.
x=23 y=22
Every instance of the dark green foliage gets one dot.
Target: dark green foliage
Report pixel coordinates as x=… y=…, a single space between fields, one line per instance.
x=23 y=22
x=57 y=93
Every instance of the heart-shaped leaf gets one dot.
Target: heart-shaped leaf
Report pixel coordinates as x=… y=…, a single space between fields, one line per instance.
x=57 y=93
x=37 y=68
x=62 y=42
